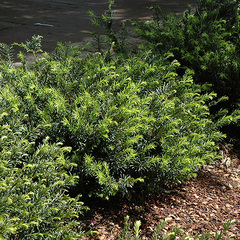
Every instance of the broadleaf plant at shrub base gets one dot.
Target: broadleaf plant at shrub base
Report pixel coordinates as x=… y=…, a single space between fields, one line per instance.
x=175 y=232
x=129 y=121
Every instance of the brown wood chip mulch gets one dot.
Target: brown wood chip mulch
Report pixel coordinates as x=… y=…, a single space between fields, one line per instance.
x=199 y=205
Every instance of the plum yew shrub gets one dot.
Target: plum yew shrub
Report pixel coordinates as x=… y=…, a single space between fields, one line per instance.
x=206 y=39
x=34 y=180
x=129 y=121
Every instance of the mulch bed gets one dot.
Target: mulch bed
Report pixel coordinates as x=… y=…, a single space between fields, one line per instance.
x=198 y=205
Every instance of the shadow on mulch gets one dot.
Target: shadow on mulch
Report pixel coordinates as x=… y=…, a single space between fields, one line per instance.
x=198 y=205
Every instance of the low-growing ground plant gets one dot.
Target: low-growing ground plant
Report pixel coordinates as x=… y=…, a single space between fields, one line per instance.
x=175 y=233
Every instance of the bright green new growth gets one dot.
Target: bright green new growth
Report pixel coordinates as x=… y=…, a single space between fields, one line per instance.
x=130 y=122
x=34 y=181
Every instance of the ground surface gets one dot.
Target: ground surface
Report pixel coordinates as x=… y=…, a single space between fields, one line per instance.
x=67 y=20
x=198 y=205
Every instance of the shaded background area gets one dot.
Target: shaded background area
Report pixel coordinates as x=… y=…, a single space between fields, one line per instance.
x=67 y=20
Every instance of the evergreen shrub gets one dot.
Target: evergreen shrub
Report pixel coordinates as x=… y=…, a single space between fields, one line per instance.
x=130 y=122
x=34 y=180
x=206 y=39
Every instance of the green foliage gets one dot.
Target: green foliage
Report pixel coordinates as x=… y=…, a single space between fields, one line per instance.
x=6 y=52
x=126 y=231
x=129 y=122
x=205 y=39
x=34 y=203
x=106 y=22
x=34 y=46
x=175 y=233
